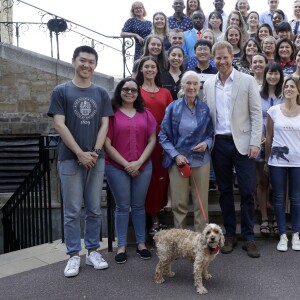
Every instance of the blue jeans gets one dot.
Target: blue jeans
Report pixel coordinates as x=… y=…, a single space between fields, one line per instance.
x=130 y=194
x=279 y=177
x=225 y=156
x=81 y=185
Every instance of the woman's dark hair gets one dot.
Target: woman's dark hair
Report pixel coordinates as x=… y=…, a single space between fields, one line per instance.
x=169 y=52
x=262 y=55
x=278 y=11
x=283 y=26
x=240 y=44
x=259 y=27
x=140 y=76
x=279 y=42
x=216 y=13
x=243 y=59
x=272 y=67
x=117 y=101
x=297 y=83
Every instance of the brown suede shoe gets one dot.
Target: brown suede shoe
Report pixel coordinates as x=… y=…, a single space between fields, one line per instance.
x=251 y=249
x=230 y=243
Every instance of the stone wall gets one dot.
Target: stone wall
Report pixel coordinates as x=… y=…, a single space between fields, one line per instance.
x=26 y=82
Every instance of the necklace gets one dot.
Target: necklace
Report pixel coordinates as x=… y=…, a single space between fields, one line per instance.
x=151 y=90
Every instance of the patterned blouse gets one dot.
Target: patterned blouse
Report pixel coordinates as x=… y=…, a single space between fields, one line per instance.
x=142 y=28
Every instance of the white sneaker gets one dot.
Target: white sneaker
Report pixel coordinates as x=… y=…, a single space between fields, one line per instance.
x=95 y=259
x=283 y=243
x=73 y=265
x=296 y=241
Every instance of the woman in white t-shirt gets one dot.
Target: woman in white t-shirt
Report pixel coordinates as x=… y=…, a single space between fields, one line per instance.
x=283 y=158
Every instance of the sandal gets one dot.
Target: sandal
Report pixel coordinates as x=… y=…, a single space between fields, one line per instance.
x=264 y=227
x=275 y=227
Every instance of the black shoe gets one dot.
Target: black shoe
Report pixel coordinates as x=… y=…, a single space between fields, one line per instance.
x=121 y=258
x=144 y=254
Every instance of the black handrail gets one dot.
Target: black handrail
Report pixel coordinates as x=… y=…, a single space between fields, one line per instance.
x=27 y=219
x=57 y=25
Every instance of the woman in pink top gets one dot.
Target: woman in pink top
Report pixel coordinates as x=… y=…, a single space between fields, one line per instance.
x=130 y=140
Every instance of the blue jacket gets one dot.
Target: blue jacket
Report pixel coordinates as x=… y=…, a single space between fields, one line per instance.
x=168 y=135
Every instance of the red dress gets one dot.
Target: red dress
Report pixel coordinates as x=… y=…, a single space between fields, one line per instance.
x=158 y=189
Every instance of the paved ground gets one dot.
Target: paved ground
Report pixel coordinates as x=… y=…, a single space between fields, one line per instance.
x=235 y=276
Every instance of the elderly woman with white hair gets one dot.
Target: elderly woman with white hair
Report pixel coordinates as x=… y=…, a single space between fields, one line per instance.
x=186 y=136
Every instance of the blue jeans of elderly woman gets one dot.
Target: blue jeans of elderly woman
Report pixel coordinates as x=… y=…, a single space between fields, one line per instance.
x=130 y=194
x=280 y=176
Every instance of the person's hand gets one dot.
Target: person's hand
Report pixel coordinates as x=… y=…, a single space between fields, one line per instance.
x=140 y=39
x=253 y=152
x=132 y=168
x=87 y=159
x=201 y=147
x=181 y=160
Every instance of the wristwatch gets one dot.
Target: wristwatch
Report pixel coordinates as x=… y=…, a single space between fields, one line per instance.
x=97 y=151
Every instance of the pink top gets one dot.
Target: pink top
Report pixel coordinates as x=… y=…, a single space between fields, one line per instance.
x=129 y=135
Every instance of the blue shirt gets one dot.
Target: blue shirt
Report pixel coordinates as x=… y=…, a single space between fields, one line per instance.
x=190 y=39
x=182 y=129
x=185 y=23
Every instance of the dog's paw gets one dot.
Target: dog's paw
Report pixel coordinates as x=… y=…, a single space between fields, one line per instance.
x=207 y=276
x=202 y=290
x=171 y=274
x=159 y=280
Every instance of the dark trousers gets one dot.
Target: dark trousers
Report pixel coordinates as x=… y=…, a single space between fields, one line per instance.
x=225 y=156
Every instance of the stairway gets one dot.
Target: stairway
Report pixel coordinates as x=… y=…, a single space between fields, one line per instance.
x=18 y=156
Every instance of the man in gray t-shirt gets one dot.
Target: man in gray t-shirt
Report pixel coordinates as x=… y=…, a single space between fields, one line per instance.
x=80 y=111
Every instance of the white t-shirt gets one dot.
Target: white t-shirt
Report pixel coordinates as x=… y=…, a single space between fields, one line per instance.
x=285 y=150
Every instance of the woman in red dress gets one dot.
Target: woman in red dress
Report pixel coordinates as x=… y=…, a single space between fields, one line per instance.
x=156 y=100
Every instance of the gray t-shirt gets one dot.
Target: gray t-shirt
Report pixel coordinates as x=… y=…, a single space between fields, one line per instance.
x=83 y=109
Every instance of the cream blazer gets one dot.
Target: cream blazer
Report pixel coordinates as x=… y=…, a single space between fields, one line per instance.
x=245 y=110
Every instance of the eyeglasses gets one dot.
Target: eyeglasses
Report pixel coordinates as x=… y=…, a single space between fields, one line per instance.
x=139 y=7
x=127 y=90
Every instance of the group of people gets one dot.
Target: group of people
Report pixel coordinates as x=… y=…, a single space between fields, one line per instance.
x=213 y=101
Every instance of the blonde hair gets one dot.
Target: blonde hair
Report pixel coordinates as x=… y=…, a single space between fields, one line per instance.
x=132 y=15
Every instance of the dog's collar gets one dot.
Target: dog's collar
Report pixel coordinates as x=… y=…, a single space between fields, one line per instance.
x=214 y=250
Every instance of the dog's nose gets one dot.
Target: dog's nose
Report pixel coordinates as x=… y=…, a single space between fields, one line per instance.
x=212 y=238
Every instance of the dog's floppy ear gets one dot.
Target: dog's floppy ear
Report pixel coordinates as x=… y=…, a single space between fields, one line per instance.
x=222 y=239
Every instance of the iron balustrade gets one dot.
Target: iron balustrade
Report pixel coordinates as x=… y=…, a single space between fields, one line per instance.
x=27 y=217
x=57 y=26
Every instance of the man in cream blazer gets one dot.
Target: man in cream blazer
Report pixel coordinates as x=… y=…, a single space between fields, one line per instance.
x=234 y=102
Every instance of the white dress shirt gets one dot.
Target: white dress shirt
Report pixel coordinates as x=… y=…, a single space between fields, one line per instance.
x=223 y=103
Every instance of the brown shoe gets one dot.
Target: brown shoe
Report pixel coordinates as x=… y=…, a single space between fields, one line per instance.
x=251 y=249
x=230 y=243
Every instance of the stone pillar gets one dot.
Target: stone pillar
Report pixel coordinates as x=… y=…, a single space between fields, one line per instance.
x=6 y=15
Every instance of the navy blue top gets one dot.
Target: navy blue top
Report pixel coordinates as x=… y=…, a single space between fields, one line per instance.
x=142 y=28
x=185 y=23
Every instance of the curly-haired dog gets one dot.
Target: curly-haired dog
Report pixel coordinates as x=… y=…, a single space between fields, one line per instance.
x=200 y=248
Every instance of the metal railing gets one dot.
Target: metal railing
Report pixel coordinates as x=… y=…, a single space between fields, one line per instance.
x=27 y=219
x=27 y=215
x=57 y=27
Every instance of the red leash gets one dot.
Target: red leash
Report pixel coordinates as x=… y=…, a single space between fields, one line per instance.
x=200 y=201
x=186 y=172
